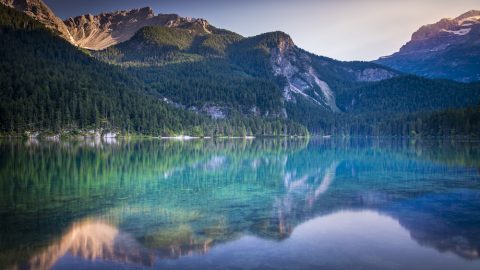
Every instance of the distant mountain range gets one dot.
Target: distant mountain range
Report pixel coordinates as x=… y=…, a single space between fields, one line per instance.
x=448 y=49
x=193 y=76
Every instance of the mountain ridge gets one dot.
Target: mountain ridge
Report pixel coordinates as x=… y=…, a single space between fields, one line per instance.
x=447 y=49
x=38 y=10
x=272 y=56
x=97 y=32
x=217 y=81
x=49 y=87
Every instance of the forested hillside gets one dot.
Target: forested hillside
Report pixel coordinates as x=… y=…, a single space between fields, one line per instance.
x=268 y=75
x=48 y=85
x=195 y=81
x=452 y=122
x=409 y=94
x=192 y=69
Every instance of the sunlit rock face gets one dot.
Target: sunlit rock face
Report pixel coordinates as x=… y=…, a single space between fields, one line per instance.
x=38 y=10
x=446 y=32
x=449 y=48
x=307 y=76
x=300 y=76
x=97 y=32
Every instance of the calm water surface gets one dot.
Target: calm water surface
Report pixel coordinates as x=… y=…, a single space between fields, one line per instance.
x=236 y=204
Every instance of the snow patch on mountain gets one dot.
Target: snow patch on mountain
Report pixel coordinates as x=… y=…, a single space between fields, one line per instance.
x=447 y=49
x=460 y=32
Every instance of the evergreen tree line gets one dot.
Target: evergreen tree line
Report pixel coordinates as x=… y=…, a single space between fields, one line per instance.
x=48 y=85
x=239 y=77
x=441 y=123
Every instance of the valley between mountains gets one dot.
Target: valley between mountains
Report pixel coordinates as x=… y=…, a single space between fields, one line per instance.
x=137 y=72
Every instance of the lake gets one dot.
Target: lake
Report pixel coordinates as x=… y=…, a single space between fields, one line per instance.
x=240 y=204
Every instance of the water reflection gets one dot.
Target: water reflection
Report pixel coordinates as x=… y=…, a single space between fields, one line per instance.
x=342 y=240
x=93 y=240
x=175 y=205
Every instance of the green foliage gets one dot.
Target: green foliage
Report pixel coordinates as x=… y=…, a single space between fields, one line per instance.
x=180 y=39
x=158 y=45
x=48 y=178
x=12 y=19
x=48 y=85
x=192 y=70
x=164 y=80
x=253 y=54
x=443 y=123
x=216 y=44
x=408 y=94
x=212 y=82
x=452 y=122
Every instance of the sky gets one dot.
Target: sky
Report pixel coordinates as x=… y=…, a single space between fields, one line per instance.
x=341 y=29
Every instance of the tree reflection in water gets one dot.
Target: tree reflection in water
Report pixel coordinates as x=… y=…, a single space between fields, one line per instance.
x=147 y=202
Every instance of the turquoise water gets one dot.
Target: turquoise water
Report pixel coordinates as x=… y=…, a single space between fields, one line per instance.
x=240 y=204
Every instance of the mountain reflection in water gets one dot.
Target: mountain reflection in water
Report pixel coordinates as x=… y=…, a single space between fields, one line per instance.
x=93 y=240
x=332 y=240
x=260 y=204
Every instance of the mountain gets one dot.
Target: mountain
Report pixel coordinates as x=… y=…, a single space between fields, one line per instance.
x=448 y=49
x=268 y=75
x=191 y=70
x=302 y=75
x=39 y=11
x=63 y=87
x=268 y=67
x=48 y=85
x=97 y=32
x=204 y=80
x=104 y=30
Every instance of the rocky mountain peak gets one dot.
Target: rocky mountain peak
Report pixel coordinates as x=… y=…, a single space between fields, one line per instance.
x=458 y=26
x=285 y=42
x=39 y=11
x=300 y=77
x=429 y=31
x=139 y=14
x=448 y=48
x=444 y=33
x=193 y=24
x=281 y=39
x=97 y=32
x=274 y=40
x=100 y=31
x=472 y=14
x=130 y=16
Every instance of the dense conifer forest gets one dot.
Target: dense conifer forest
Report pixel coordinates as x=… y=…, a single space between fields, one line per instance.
x=170 y=85
x=48 y=85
